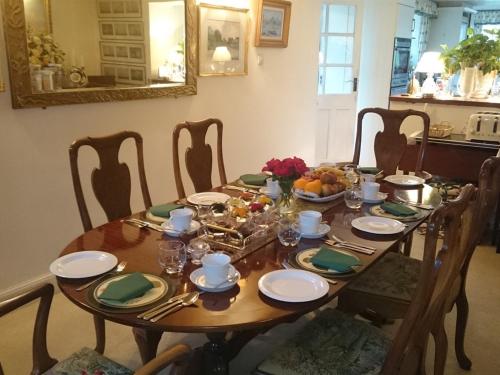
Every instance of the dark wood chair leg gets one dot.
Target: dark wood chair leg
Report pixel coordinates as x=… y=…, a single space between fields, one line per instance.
x=462 y=316
x=408 y=241
x=100 y=333
x=147 y=341
x=441 y=351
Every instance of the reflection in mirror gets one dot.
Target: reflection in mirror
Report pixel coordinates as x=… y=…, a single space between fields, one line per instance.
x=80 y=51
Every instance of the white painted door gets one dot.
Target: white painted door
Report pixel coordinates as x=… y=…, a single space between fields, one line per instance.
x=340 y=46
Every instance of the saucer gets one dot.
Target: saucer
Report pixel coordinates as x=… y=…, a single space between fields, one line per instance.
x=198 y=278
x=380 y=198
x=322 y=230
x=265 y=190
x=169 y=229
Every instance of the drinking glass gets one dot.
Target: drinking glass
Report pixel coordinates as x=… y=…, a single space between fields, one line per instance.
x=353 y=197
x=197 y=248
x=172 y=256
x=288 y=232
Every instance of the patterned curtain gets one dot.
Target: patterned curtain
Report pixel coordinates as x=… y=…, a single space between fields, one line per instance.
x=426 y=8
x=485 y=17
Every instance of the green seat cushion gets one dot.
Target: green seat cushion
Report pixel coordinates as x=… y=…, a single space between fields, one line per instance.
x=331 y=259
x=254 y=179
x=88 y=361
x=332 y=343
x=163 y=210
x=397 y=209
x=131 y=286
x=394 y=276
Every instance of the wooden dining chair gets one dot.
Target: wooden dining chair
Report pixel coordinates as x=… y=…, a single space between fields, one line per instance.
x=85 y=361
x=111 y=182
x=389 y=287
x=390 y=145
x=336 y=343
x=198 y=157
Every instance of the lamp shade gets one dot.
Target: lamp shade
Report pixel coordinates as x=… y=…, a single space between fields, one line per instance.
x=430 y=62
x=221 y=54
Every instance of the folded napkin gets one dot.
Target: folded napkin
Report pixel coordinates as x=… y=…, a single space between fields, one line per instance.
x=163 y=210
x=397 y=209
x=131 y=286
x=329 y=258
x=368 y=170
x=254 y=179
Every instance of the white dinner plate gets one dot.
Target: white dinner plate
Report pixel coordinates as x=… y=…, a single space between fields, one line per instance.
x=303 y=258
x=379 y=199
x=198 y=279
x=293 y=285
x=208 y=198
x=404 y=180
x=83 y=264
x=378 y=225
x=315 y=198
x=160 y=288
x=169 y=229
x=322 y=230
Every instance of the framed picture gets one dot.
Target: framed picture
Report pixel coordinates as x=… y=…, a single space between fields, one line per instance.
x=119 y=8
x=126 y=74
x=223 y=40
x=122 y=30
x=273 y=23
x=38 y=16
x=123 y=52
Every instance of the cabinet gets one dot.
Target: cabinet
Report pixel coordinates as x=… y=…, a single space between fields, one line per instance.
x=404 y=24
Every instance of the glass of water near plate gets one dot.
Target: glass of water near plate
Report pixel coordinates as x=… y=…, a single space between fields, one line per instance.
x=353 y=197
x=172 y=256
x=288 y=232
x=197 y=248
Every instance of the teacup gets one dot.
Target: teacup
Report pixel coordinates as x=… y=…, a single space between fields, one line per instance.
x=365 y=177
x=309 y=221
x=370 y=190
x=181 y=219
x=273 y=187
x=216 y=268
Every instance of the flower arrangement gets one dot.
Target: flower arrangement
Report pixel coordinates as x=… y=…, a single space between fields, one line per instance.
x=286 y=171
x=43 y=50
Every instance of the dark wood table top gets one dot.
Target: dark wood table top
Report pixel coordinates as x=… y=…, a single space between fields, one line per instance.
x=243 y=307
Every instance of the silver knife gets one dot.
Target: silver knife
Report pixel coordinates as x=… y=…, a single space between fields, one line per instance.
x=161 y=305
x=147 y=224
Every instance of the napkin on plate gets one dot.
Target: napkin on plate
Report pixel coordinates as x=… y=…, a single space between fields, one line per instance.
x=163 y=210
x=131 y=286
x=329 y=258
x=254 y=179
x=397 y=209
x=368 y=170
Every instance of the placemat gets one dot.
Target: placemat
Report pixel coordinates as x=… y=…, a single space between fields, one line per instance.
x=378 y=211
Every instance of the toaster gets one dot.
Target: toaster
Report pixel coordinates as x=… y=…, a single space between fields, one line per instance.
x=483 y=126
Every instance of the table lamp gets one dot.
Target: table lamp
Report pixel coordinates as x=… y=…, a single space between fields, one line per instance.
x=430 y=63
x=221 y=56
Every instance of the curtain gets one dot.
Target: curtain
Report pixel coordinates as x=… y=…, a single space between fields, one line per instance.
x=485 y=17
x=426 y=8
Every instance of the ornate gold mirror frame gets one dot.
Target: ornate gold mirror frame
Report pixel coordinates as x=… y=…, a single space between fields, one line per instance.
x=19 y=69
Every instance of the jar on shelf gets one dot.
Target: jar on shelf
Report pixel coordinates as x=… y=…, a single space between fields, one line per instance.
x=47 y=80
x=36 y=78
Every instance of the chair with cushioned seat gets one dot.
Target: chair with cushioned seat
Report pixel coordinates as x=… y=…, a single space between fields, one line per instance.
x=336 y=343
x=111 y=184
x=85 y=361
x=389 y=286
x=198 y=157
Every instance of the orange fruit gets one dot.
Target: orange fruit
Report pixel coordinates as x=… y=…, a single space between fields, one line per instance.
x=300 y=183
x=313 y=187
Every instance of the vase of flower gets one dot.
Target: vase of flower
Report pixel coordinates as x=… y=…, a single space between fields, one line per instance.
x=286 y=171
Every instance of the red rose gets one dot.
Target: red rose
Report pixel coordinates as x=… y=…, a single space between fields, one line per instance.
x=271 y=165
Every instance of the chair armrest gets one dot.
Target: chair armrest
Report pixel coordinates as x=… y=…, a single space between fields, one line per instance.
x=178 y=354
x=423 y=174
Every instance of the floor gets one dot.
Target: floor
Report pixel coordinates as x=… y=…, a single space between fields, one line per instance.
x=64 y=336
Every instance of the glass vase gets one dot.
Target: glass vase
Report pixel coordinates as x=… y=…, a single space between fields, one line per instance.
x=286 y=201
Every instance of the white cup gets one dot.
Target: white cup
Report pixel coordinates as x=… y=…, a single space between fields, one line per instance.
x=365 y=177
x=309 y=221
x=181 y=219
x=216 y=268
x=273 y=186
x=370 y=190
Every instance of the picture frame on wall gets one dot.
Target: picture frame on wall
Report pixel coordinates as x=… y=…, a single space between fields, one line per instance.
x=273 y=23
x=223 y=40
x=123 y=52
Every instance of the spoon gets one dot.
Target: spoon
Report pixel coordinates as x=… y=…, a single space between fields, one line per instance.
x=186 y=301
x=118 y=269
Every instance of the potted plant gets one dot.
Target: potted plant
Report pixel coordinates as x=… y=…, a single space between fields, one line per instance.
x=478 y=60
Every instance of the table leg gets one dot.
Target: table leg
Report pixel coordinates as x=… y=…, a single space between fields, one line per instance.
x=147 y=341
x=100 y=333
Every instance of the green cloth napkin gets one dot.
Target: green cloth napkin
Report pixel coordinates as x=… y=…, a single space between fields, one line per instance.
x=163 y=210
x=329 y=258
x=131 y=286
x=368 y=170
x=397 y=209
x=254 y=179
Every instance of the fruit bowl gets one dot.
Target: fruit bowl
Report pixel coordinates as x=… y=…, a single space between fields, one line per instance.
x=311 y=197
x=323 y=184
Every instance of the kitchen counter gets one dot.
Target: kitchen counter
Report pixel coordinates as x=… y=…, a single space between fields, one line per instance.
x=493 y=102
x=459 y=141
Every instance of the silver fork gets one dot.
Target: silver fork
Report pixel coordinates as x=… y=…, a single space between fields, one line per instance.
x=118 y=269
x=341 y=241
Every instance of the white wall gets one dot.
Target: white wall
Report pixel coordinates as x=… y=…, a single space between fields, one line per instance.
x=446 y=28
x=269 y=113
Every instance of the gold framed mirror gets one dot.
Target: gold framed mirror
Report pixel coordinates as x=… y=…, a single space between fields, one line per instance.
x=90 y=51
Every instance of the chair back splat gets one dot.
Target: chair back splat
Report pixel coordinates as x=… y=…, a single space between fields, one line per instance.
x=390 y=144
x=111 y=182
x=198 y=157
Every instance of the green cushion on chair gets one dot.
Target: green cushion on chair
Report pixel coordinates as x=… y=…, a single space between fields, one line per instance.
x=394 y=276
x=89 y=361
x=332 y=343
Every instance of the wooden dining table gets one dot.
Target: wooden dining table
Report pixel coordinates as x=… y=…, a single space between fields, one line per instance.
x=232 y=318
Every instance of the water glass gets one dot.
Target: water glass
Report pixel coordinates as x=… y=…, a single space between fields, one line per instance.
x=353 y=197
x=172 y=256
x=197 y=248
x=288 y=232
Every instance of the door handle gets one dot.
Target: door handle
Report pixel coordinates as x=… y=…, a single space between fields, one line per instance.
x=355 y=84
